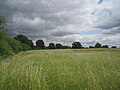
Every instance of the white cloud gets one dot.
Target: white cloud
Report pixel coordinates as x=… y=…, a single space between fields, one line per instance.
x=63 y=20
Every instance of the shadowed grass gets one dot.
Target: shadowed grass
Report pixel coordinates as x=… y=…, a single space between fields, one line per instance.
x=85 y=69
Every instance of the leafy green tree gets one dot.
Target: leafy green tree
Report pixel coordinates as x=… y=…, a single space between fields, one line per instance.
x=15 y=45
x=5 y=48
x=51 y=46
x=40 y=44
x=76 y=45
x=98 y=45
x=24 y=40
x=30 y=43
x=8 y=45
x=105 y=46
x=66 y=47
x=59 y=46
x=114 y=47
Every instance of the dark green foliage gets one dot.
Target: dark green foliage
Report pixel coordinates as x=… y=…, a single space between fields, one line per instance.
x=113 y=47
x=105 y=46
x=26 y=47
x=40 y=44
x=59 y=46
x=98 y=45
x=91 y=46
x=5 y=48
x=67 y=47
x=51 y=46
x=15 y=45
x=29 y=42
x=76 y=45
x=8 y=45
x=21 y=38
x=25 y=42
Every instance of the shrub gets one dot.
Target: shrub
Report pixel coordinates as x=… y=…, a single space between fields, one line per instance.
x=5 y=48
x=15 y=45
x=8 y=45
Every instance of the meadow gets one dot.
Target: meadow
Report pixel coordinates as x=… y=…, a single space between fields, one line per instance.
x=70 y=69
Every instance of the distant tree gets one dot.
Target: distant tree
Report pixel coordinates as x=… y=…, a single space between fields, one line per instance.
x=105 y=46
x=91 y=46
x=67 y=47
x=76 y=45
x=98 y=45
x=51 y=46
x=24 y=40
x=59 y=46
x=114 y=47
x=40 y=44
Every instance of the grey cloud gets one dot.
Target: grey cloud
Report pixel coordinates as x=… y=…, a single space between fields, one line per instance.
x=112 y=20
x=112 y=31
x=60 y=20
x=111 y=23
x=61 y=33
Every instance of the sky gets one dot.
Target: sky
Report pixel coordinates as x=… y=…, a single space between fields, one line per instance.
x=64 y=21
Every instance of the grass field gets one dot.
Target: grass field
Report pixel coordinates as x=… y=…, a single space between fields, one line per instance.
x=84 y=69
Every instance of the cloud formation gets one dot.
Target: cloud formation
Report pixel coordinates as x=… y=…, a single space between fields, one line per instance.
x=64 y=21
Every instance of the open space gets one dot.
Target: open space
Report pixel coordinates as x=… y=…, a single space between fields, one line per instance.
x=72 y=69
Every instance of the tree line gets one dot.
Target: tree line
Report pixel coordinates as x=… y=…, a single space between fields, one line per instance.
x=41 y=45
x=10 y=45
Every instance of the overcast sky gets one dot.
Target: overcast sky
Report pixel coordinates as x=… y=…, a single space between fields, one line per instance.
x=64 y=21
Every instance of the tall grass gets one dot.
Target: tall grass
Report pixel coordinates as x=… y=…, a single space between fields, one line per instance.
x=90 y=69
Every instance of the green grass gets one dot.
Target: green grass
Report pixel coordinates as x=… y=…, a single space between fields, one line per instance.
x=84 y=69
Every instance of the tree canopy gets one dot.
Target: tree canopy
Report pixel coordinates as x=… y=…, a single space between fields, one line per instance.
x=98 y=45
x=26 y=43
x=76 y=45
x=51 y=46
x=40 y=44
x=59 y=46
x=105 y=46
